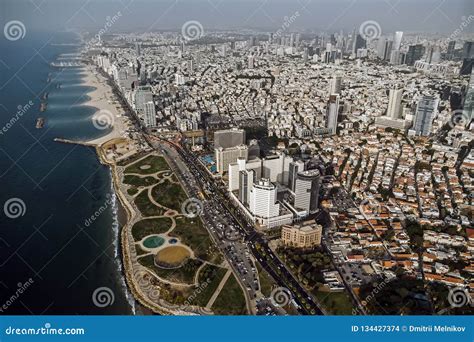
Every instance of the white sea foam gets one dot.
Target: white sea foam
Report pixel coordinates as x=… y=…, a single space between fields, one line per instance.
x=117 y=257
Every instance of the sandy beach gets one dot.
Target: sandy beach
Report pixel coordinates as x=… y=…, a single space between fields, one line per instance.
x=109 y=112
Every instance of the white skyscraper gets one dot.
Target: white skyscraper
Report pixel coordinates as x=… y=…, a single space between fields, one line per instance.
x=394 y=103
x=263 y=199
x=397 y=40
x=335 y=85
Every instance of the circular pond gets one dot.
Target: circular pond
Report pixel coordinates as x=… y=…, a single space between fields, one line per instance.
x=154 y=241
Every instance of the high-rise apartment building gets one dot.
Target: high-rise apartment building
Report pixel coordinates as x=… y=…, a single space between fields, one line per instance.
x=307 y=191
x=394 y=103
x=226 y=156
x=295 y=167
x=332 y=113
x=335 y=85
x=425 y=113
x=397 y=40
x=229 y=138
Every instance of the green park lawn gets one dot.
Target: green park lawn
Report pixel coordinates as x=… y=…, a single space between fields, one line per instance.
x=146 y=207
x=149 y=165
x=151 y=226
x=231 y=300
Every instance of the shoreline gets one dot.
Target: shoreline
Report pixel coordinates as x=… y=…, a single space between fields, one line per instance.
x=102 y=98
x=107 y=107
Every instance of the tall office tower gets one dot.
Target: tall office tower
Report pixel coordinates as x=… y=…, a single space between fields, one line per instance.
x=305 y=55
x=467 y=66
x=381 y=47
x=138 y=49
x=394 y=103
x=143 y=95
x=276 y=168
x=252 y=41
x=425 y=113
x=397 y=40
x=335 y=85
x=226 y=156
x=387 y=51
x=254 y=149
x=468 y=106
x=468 y=50
x=292 y=40
x=297 y=40
x=241 y=165
x=358 y=43
x=229 y=138
x=251 y=62
x=332 y=113
x=435 y=56
x=451 y=47
x=149 y=116
x=295 y=167
x=327 y=56
x=246 y=180
x=415 y=52
x=396 y=57
x=270 y=38
x=307 y=190
x=191 y=65
x=263 y=199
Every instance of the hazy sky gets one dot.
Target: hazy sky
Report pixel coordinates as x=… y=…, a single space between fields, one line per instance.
x=328 y=15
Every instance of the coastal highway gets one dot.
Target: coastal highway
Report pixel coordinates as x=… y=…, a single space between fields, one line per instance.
x=241 y=228
x=219 y=225
x=255 y=242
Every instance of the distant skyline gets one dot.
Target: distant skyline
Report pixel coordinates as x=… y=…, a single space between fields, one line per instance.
x=435 y=16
